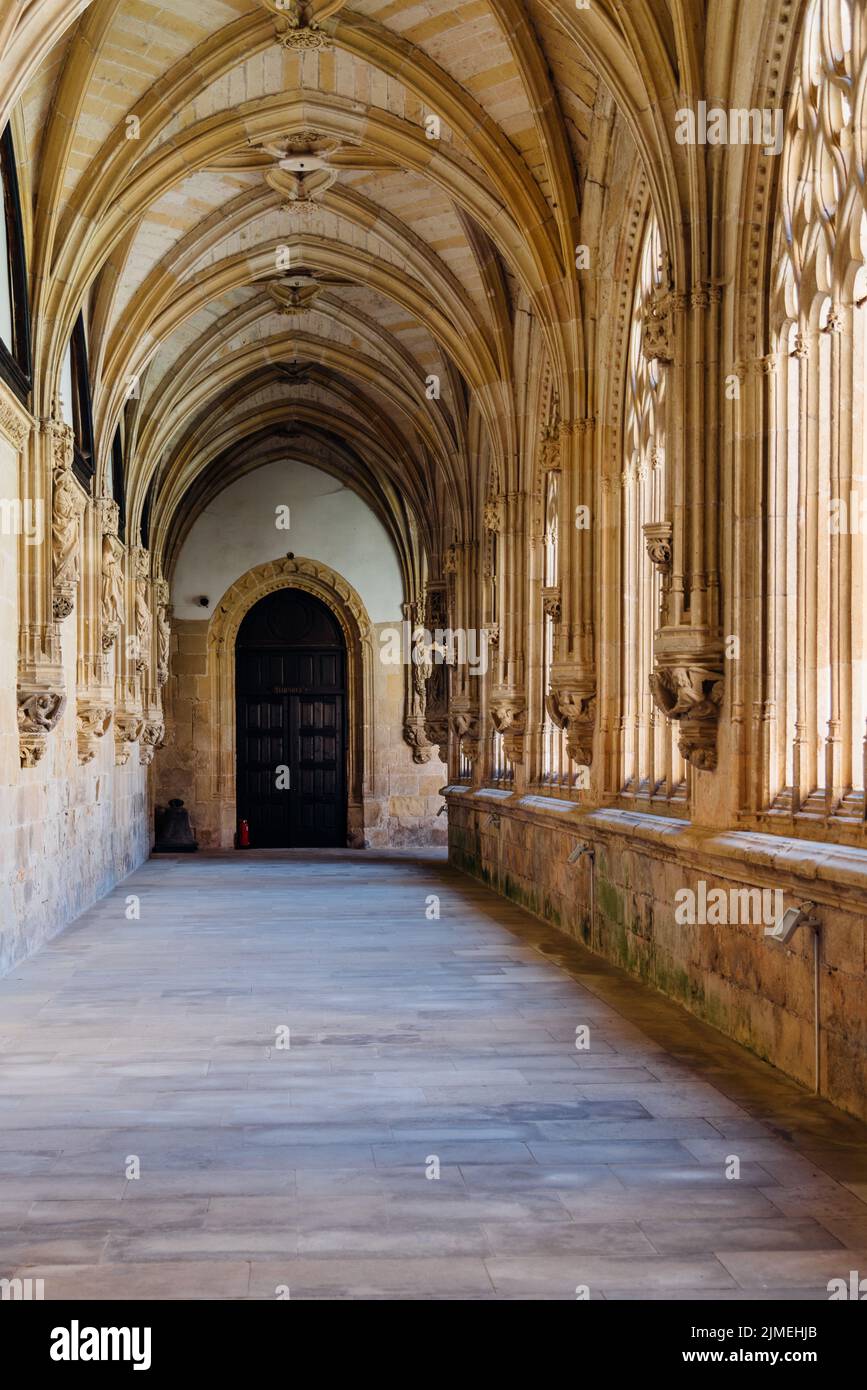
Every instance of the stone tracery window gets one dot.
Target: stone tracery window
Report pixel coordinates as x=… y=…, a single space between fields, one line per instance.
x=652 y=765
x=818 y=467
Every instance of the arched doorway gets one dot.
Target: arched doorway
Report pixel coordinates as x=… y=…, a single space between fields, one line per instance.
x=290 y=695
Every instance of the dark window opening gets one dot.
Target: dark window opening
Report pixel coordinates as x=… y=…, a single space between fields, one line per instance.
x=15 y=364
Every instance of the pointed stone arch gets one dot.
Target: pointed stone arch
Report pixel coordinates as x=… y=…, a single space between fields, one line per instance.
x=218 y=734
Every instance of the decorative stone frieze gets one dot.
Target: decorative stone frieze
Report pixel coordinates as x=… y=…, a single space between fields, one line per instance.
x=15 y=424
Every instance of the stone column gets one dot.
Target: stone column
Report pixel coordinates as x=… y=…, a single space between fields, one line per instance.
x=573 y=678
x=682 y=330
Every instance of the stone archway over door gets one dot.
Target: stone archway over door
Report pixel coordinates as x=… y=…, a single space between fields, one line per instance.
x=290 y=692
x=219 y=734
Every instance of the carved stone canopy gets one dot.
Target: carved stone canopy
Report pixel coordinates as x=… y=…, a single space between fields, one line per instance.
x=108 y=513
x=492 y=517
x=549 y=447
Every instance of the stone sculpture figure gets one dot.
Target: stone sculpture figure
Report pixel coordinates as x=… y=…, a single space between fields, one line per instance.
x=67 y=505
x=163 y=638
x=112 y=588
x=143 y=623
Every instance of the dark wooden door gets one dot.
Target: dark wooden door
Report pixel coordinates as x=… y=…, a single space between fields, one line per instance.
x=290 y=672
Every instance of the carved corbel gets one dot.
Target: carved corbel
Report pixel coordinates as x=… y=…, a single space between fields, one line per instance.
x=573 y=708
x=415 y=737
x=466 y=726
x=93 y=721
x=127 y=731
x=551 y=602
x=151 y=739
x=508 y=713
x=39 y=710
x=657 y=539
x=689 y=690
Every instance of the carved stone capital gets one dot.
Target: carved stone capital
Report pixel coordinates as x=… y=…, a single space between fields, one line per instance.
x=93 y=720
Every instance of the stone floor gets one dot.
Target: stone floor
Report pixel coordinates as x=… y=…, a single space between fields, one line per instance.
x=266 y=1168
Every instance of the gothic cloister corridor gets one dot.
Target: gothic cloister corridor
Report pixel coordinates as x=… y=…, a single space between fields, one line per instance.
x=154 y=1029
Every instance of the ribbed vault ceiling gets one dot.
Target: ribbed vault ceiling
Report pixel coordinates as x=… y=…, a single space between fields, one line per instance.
x=265 y=239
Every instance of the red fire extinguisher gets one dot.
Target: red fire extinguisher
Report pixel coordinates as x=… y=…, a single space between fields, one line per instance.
x=244 y=834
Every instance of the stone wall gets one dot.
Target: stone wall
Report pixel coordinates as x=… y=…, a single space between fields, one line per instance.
x=400 y=799
x=752 y=989
x=68 y=833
